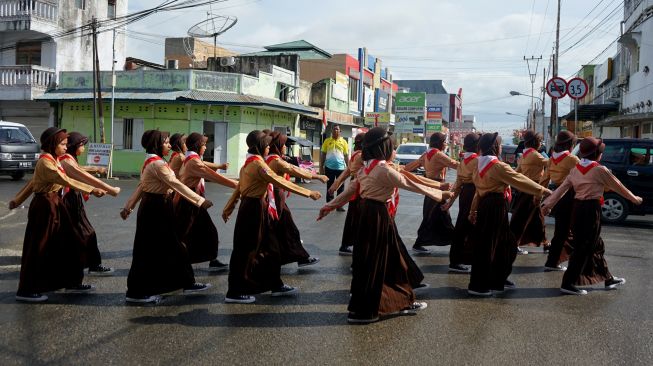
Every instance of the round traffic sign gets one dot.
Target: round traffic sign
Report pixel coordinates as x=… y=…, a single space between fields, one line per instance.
x=96 y=159
x=576 y=88
x=556 y=87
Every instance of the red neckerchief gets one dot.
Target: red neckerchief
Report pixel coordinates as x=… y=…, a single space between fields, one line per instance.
x=431 y=152
x=585 y=169
x=354 y=155
x=286 y=176
x=149 y=161
x=63 y=157
x=250 y=159
x=372 y=165
x=272 y=204
x=393 y=202
x=528 y=151
x=560 y=158
x=189 y=157
x=174 y=154
x=487 y=167
x=470 y=158
x=200 y=189
x=59 y=167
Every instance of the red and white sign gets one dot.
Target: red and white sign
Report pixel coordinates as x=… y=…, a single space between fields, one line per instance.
x=98 y=154
x=556 y=87
x=577 y=88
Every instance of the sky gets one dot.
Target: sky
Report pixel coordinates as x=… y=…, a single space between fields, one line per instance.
x=476 y=45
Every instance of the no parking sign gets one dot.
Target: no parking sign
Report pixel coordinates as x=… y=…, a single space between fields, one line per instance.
x=556 y=87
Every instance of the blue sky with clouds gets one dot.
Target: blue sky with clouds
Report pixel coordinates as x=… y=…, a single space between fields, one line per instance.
x=476 y=45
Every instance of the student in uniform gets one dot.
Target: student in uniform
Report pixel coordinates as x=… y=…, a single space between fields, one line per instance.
x=527 y=222
x=380 y=281
x=178 y=146
x=560 y=164
x=589 y=180
x=255 y=265
x=195 y=227
x=460 y=253
x=160 y=261
x=290 y=244
x=436 y=227
x=355 y=164
x=52 y=259
x=494 y=246
x=74 y=201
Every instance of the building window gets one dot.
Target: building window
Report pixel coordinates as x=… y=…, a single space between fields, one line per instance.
x=127 y=134
x=80 y=4
x=353 y=89
x=646 y=128
x=111 y=9
x=283 y=93
x=28 y=53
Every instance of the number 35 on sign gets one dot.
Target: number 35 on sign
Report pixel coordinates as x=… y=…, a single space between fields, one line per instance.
x=576 y=88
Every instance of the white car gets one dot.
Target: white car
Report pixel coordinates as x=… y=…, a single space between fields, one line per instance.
x=409 y=152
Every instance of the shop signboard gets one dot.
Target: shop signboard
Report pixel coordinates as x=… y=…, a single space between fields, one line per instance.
x=411 y=112
x=98 y=154
x=381 y=119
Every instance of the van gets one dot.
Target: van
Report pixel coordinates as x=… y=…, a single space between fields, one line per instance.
x=18 y=150
x=631 y=161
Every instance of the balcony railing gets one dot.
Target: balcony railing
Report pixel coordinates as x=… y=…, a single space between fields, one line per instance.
x=28 y=75
x=42 y=9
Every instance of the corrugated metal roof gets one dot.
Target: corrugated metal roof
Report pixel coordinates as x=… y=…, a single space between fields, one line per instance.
x=184 y=95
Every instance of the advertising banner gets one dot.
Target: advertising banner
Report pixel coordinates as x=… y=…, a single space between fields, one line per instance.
x=382 y=118
x=411 y=112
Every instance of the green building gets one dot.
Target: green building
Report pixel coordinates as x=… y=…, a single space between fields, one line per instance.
x=223 y=106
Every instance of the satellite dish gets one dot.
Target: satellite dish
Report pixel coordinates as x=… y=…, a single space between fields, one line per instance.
x=214 y=26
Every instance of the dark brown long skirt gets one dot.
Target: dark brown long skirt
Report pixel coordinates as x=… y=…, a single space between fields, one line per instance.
x=197 y=231
x=51 y=257
x=494 y=245
x=562 y=238
x=160 y=262
x=350 y=229
x=436 y=227
x=527 y=232
x=290 y=245
x=380 y=283
x=84 y=231
x=461 y=248
x=587 y=264
x=254 y=266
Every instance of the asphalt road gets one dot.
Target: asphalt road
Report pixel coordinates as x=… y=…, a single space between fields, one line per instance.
x=534 y=324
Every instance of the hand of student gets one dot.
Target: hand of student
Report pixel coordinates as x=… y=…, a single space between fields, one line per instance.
x=102 y=170
x=446 y=195
x=315 y=195
x=446 y=206
x=124 y=213
x=323 y=179
x=546 y=193
x=207 y=204
x=445 y=186
x=472 y=217
x=638 y=200
x=545 y=210
x=12 y=205
x=224 y=166
x=225 y=215
x=97 y=192
x=325 y=210
x=115 y=191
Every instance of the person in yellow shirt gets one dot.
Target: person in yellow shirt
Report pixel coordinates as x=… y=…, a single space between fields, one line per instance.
x=333 y=159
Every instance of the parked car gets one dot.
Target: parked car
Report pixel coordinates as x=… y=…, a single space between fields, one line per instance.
x=409 y=152
x=630 y=160
x=18 y=150
x=508 y=154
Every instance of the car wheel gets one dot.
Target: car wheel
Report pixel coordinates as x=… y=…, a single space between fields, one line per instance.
x=17 y=175
x=614 y=209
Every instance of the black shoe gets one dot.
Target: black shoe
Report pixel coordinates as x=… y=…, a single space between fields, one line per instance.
x=421 y=287
x=572 y=290
x=285 y=290
x=217 y=266
x=509 y=285
x=30 y=297
x=340 y=209
x=554 y=268
x=480 y=293
x=612 y=283
x=80 y=289
x=418 y=249
x=100 y=271
x=308 y=262
x=196 y=287
x=459 y=268
x=345 y=251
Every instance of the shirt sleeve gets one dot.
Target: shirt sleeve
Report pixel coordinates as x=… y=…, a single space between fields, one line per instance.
x=24 y=193
x=344 y=197
x=79 y=173
x=51 y=173
x=615 y=185
x=396 y=179
x=508 y=176
x=134 y=198
x=447 y=161
x=167 y=176
x=231 y=203
x=292 y=170
x=557 y=194
x=546 y=178
x=345 y=147
x=325 y=145
x=200 y=169
x=279 y=182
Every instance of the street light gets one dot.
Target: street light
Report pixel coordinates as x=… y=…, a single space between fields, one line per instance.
x=514 y=114
x=514 y=93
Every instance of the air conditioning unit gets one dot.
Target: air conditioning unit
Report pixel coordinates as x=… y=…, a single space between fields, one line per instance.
x=227 y=61
x=622 y=79
x=172 y=64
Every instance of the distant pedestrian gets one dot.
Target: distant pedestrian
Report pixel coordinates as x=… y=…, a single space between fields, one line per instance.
x=333 y=159
x=52 y=258
x=589 y=180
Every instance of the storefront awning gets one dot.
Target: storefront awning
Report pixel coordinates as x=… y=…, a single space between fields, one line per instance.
x=592 y=112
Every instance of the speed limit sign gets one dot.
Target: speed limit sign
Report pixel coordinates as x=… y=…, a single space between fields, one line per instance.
x=556 y=87
x=576 y=88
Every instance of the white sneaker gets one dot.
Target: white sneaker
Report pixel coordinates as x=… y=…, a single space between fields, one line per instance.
x=414 y=308
x=240 y=299
x=36 y=297
x=144 y=300
x=612 y=283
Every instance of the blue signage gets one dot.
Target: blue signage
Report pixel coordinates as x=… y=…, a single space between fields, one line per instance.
x=418 y=130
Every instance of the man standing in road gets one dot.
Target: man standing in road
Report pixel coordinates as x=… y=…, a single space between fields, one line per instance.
x=333 y=160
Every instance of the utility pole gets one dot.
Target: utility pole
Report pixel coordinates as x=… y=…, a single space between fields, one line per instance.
x=113 y=100
x=554 y=101
x=100 y=108
x=94 y=28
x=533 y=75
x=544 y=134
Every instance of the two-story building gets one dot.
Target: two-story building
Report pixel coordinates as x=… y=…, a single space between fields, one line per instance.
x=36 y=44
